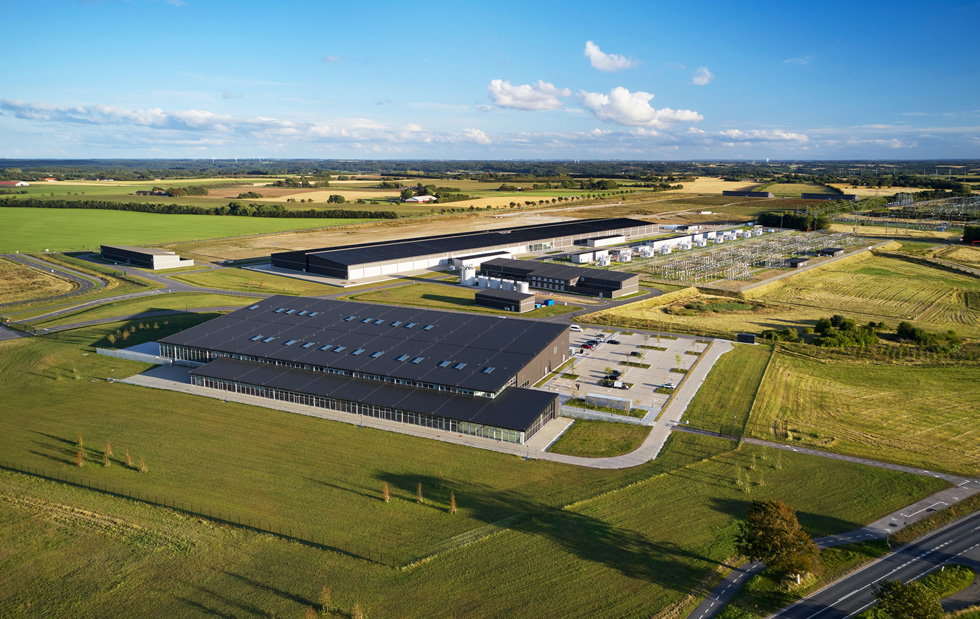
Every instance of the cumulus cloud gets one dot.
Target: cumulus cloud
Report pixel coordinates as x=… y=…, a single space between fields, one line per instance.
x=330 y=59
x=633 y=109
x=607 y=63
x=539 y=96
x=475 y=135
x=702 y=76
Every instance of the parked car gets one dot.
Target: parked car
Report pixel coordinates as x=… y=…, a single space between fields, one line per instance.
x=606 y=382
x=620 y=385
x=575 y=329
x=669 y=385
x=612 y=342
x=636 y=353
x=588 y=346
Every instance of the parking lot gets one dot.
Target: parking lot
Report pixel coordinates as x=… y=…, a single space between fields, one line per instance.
x=590 y=366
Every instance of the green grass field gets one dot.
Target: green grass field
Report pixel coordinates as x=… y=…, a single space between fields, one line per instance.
x=36 y=229
x=176 y=302
x=795 y=189
x=244 y=280
x=723 y=402
x=599 y=439
x=439 y=296
x=919 y=416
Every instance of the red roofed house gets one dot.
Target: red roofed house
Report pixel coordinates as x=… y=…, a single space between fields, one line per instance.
x=14 y=184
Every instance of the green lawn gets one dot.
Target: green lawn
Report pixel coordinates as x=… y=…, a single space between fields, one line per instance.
x=179 y=301
x=599 y=439
x=723 y=402
x=244 y=280
x=440 y=296
x=38 y=229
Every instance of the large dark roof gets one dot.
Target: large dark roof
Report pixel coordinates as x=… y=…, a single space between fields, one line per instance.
x=558 y=271
x=514 y=409
x=479 y=342
x=422 y=246
x=149 y=251
x=506 y=295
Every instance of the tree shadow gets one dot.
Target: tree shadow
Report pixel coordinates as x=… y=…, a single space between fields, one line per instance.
x=816 y=525
x=248 y=608
x=292 y=597
x=205 y=609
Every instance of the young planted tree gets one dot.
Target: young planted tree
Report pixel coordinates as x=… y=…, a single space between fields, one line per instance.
x=325 y=601
x=385 y=493
x=911 y=601
x=105 y=459
x=677 y=358
x=81 y=444
x=108 y=448
x=358 y=612
x=452 y=502
x=79 y=458
x=310 y=613
x=129 y=461
x=772 y=534
x=418 y=494
x=143 y=468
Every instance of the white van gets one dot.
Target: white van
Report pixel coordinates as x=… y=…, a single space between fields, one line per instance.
x=575 y=329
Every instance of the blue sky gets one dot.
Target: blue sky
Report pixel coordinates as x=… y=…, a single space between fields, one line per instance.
x=643 y=80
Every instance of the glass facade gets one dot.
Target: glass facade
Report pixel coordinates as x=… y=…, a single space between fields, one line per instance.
x=381 y=412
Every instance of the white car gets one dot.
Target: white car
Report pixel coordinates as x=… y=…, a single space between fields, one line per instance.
x=669 y=385
x=575 y=329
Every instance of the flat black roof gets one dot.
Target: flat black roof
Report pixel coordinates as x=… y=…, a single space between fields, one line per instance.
x=514 y=409
x=392 y=250
x=506 y=295
x=149 y=251
x=559 y=271
x=329 y=333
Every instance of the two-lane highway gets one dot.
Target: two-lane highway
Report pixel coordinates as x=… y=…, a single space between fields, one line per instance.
x=855 y=593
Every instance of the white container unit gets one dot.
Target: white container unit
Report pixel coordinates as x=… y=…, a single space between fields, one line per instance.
x=523 y=287
x=483 y=281
x=468 y=276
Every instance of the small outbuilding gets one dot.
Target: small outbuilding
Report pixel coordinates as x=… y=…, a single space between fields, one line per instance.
x=417 y=199
x=797 y=263
x=831 y=251
x=14 y=184
x=507 y=300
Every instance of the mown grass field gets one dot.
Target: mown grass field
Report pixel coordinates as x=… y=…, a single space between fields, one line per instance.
x=244 y=280
x=919 y=416
x=627 y=553
x=599 y=439
x=19 y=283
x=723 y=402
x=37 y=229
x=439 y=296
x=174 y=303
x=795 y=189
x=877 y=288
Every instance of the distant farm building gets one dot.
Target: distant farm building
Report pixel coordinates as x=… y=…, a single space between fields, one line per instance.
x=847 y=197
x=144 y=257
x=14 y=184
x=747 y=194
x=417 y=199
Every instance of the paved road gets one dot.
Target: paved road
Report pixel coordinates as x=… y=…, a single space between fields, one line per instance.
x=959 y=542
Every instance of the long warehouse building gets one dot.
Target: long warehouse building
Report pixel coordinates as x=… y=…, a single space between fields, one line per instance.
x=456 y=372
x=393 y=257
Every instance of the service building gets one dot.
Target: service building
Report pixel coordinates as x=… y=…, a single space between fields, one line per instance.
x=144 y=257
x=561 y=278
x=462 y=373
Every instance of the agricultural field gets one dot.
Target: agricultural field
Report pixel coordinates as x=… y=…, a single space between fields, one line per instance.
x=19 y=283
x=723 y=402
x=244 y=280
x=919 y=416
x=37 y=230
x=865 y=287
x=961 y=254
x=871 y=192
x=443 y=297
x=795 y=189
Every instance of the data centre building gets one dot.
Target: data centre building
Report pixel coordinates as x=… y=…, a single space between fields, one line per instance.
x=394 y=257
x=461 y=373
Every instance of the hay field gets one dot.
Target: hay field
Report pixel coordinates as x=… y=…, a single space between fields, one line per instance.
x=870 y=192
x=970 y=256
x=874 y=288
x=896 y=232
x=795 y=189
x=919 y=416
x=714 y=185
x=22 y=283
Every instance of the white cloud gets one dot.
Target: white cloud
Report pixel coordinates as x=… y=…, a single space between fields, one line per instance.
x=176 y=3
x=799 y=60
x=633 y=109
x=330 y=59
x=763 y=135
x=475 y=135
x=539 y=96
x=702 y=76
x=607 y=63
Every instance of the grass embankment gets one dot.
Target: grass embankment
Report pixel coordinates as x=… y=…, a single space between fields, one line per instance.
x=440 y=296
x=244 y=280
x=876 y=288
x=21 y=283
x=38 y=229
x=656 y=530
x=599 y=439
x=724 y=401
x=913 y=415
x=580 y=403
x=172 y=303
